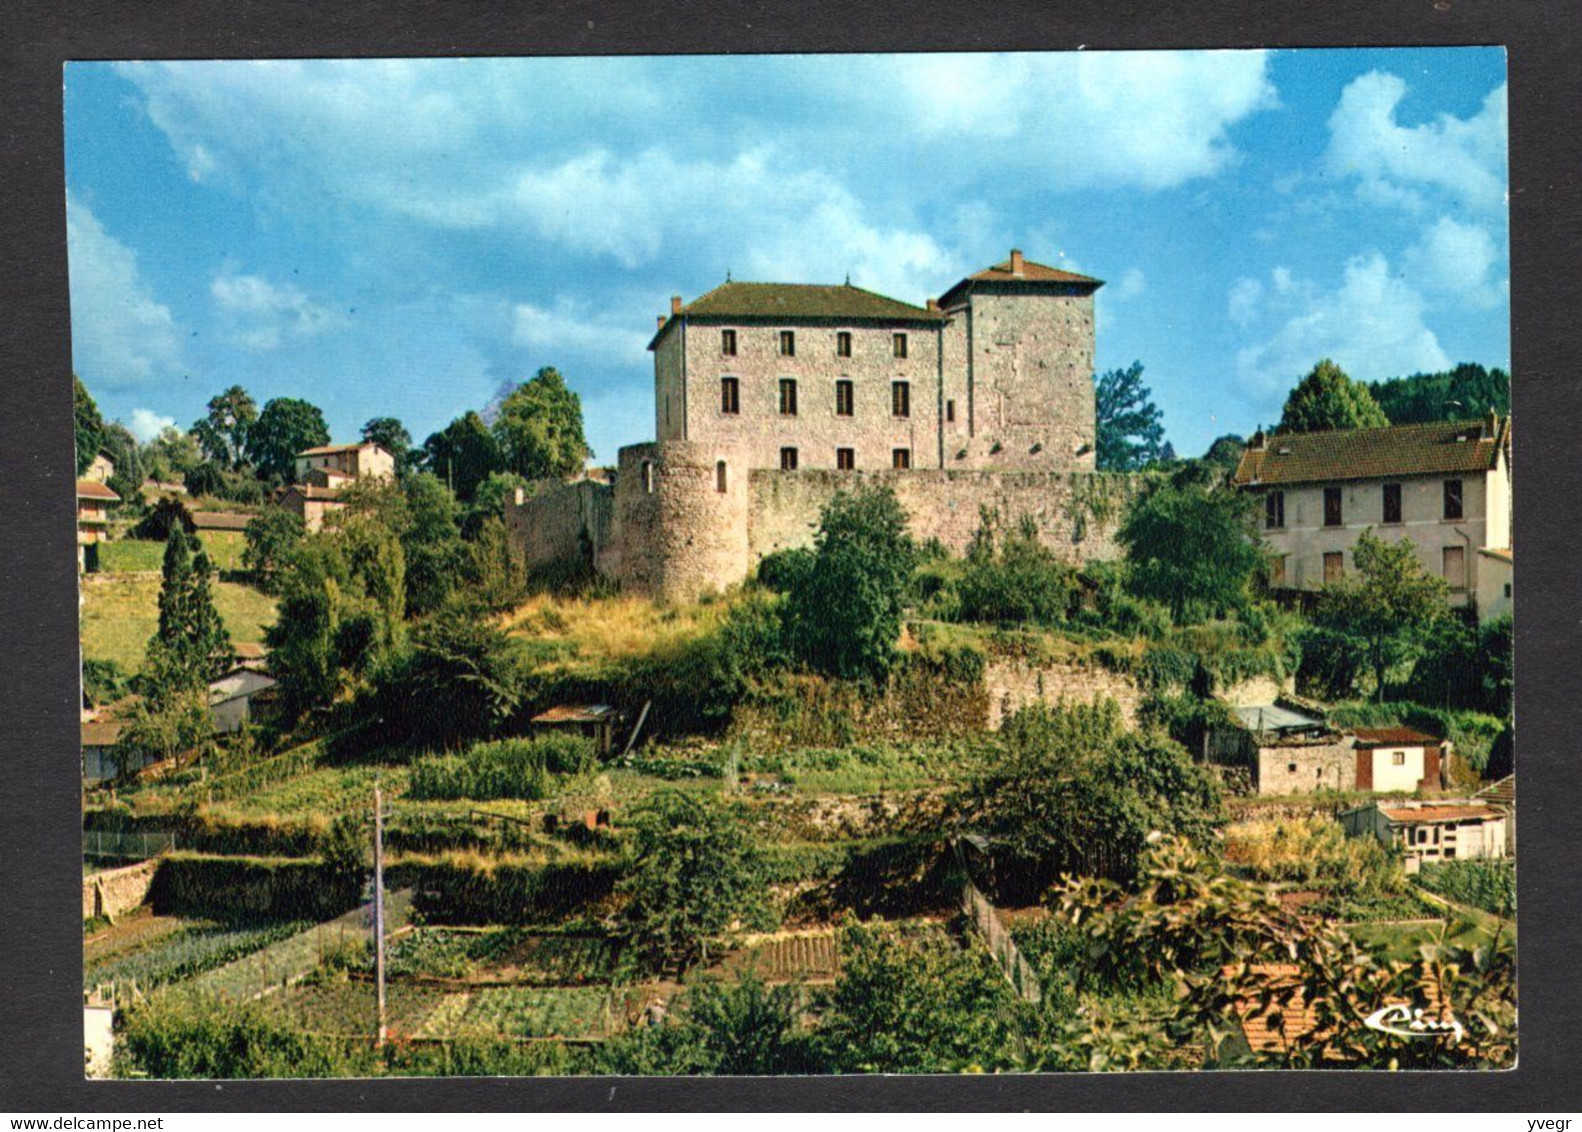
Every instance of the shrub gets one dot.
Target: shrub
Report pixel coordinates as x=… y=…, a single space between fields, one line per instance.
x=781 y=570
x=507 y=768
x=1015 y=580
x=1490 y=885
x=186 y=1036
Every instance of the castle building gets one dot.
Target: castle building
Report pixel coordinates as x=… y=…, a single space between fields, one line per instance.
x=771 y=397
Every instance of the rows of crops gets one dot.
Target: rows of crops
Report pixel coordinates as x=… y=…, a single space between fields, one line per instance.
x=348 y=1007
x=194 y=950
x=809 y=956
x=502 y=955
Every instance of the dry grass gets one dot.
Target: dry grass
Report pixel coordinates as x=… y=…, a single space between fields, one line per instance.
x=120 y=614
x=611 y=628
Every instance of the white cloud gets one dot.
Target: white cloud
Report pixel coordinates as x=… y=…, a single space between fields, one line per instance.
x=120 y=334
x=1131 y=284
x=145 y=424
x=1242 y=303
x=264 y=314
x=1463 y=157
x=1457 y=260
x=1148 y=119
x=565 y=327
x=1371 y=325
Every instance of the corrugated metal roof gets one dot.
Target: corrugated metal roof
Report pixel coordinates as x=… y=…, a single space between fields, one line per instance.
x=575 y=713
x=1437 y=448
x=1273 y=717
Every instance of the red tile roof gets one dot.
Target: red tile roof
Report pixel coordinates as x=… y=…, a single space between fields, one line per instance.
x=1501 y=792
x=1392 y=737
x=1437 y=448
x=93 y=489
x=329 y=449
x=1431 y=812
x=1032 y=273
x=220 y=520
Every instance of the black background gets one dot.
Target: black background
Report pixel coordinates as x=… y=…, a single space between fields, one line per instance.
x=40 y=941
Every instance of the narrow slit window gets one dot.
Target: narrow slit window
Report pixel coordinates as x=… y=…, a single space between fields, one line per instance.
x=950 y=411
x=788 y=343
x=728 y=343
x=648 y=477
x=843 y=344
x=898 y=345
x=730 y=396
x=721 y=478
x=844 y=399
x=900 y=399
x=787 y=397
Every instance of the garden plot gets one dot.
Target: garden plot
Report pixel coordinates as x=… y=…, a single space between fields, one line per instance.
x=192 y=950
x=501 y=956
x=785 y=957
x=534 y=1012
x=300 y=954
x=343 y=1007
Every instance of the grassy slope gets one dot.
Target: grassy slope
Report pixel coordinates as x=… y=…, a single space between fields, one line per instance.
x=119 y=615
x=130 y=555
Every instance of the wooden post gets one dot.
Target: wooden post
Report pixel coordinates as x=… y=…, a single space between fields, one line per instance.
x=379 y=911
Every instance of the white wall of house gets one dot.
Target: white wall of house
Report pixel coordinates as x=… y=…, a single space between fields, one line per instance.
x=1397 y=768
x=1495 y=578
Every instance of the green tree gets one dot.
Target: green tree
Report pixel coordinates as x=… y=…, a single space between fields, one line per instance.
x=191 y=645
x=1191 y=546
x=496 y=573
x=1130 y=428
x=1386 y=607
x=695 y=872
x=539 y=429
x=1015 y=579
x=87 y=423
x=844 y=614
x=431 y=539
x=222 y=433
x=1069 y=789
x=285 y=427
x=488 y=501
x=1327 y=399
x=316 y=635
x=118 y=443
x=463 y=454
x=916 y=1004
x=741 y=1029
x=171 y=455
x=391 y=435
x=1463 y=393
x=272 y=537
x=462 y=679
x=1225 y=452
x=158 y=728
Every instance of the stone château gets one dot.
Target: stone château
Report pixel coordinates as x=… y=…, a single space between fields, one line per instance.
x=771 y=397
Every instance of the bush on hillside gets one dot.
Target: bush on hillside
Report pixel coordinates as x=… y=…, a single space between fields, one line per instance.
x=507 y=768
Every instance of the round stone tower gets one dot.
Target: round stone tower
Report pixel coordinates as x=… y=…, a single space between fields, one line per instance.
x=681 y=518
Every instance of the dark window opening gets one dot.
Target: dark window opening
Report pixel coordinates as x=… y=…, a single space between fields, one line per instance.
x=730 y=395
x=728 y=343
x=950 y=410
x=901 y=458
x=845 y=459
x=844 y=399
x=787 y=397
x=1332 y=507
x=788 y=459
x=721 y=482
x=898 y=345
x=1274 y=510
x=1452 y=499
x=900 y=399
x=648 y=477
x=788 y=343
x=1392 y=503
x=843 y=344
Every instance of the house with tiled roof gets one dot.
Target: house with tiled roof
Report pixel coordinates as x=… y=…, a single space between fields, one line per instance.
x=1432 y=830
x=324 y=471
x=94 y=498
x=1444 y=487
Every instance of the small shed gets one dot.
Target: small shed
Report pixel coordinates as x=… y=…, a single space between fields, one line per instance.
x=231 y=697
x=592 y=721
x=1447 y=830
x=99 y=737
x=1287 y=750
x=1399 y=759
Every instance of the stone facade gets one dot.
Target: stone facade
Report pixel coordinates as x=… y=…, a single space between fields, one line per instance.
x=981 y=400
x=1291 y=769
x=1013 y=684
x=115 y=892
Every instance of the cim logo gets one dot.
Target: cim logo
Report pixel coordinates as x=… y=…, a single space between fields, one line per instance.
x=1404 y=1021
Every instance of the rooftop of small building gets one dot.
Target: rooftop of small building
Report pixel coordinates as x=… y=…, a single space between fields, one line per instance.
x=1410 y=812
x=331 y=449
x=93 y=489
x=576 y=713
x=1435 y=448
x=1393 y=737
x=1275 y=717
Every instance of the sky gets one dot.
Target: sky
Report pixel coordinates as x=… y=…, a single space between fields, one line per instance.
x=403 y=237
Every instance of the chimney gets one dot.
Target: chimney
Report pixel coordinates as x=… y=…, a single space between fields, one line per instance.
x=1016 y=261
x=675 y=304
x=1491 y=426
x=933 y=304
x=1257 y=442
x=661 y=319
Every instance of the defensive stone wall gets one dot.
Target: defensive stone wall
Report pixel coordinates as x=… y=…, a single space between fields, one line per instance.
x=1076 y=513
x=681 y=519
x=115 y=892
x=1013 y=684
x=562 y=524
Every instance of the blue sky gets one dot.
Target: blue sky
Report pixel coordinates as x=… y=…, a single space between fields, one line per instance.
x=399 y=238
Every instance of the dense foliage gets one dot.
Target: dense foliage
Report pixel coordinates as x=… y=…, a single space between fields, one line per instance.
x=1015 y=577
x=1130 y=427
x=1192 y=547
x=539 y=428
x=728 y=1029
x=286 y=426
x=1328 y=399
x=505 y=768
x=844 y=614
x=1469 y=390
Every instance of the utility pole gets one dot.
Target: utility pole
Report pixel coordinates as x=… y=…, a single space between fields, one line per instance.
x=379 y=910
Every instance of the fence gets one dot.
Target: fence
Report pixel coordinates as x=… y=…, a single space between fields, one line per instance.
x=983 y=917
x=126 y=845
